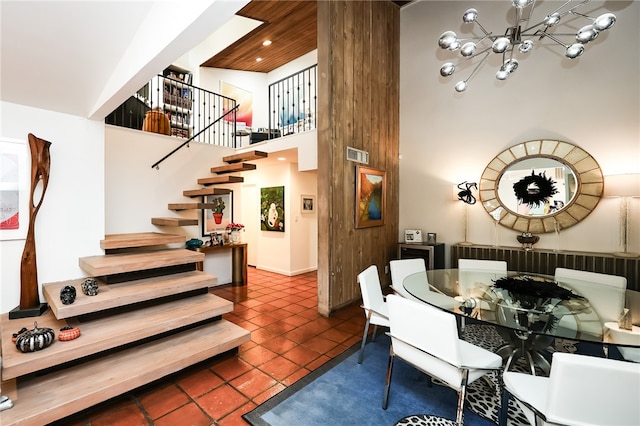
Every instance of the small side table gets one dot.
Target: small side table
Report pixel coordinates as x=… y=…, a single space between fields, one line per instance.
x=238 y=261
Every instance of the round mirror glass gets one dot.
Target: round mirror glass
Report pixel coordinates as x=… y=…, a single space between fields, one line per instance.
x=537 y=186
x=541 y=186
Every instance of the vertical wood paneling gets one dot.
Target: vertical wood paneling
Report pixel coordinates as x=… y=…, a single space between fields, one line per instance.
x=358 y=63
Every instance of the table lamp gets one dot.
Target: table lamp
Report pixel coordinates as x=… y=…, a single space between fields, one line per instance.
x=464 y=192
x=625 y=187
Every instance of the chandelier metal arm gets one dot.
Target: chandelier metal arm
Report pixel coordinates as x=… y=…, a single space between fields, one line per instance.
x=478 y=65
x=522 y=39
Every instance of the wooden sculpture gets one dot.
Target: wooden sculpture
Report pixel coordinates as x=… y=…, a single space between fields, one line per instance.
x=29 y=299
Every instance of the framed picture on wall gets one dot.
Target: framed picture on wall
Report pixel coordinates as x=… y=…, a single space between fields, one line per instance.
x=272 y=209
x=14 y=189
x=219 y=215
x=371 y=195
x=307 y=204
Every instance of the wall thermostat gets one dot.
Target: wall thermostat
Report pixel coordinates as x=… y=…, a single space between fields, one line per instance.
x=412 y=236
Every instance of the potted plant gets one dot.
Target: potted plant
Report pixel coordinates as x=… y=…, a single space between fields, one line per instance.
x=217 y=208
x=235 y=229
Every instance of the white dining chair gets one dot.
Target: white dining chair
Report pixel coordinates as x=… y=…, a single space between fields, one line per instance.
x=605 y=293
x=580 y=390
x=373 y=303
x=402 y=268
x=427 y=338
x=482 y=265
x=474 y=278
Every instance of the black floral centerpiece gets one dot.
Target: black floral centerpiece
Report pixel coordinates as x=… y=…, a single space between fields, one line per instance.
x=533 y=300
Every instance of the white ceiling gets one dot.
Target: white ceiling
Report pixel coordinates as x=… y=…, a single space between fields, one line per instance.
x=86 y=57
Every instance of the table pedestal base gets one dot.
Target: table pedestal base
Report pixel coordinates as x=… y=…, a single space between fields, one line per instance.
x=526 y=346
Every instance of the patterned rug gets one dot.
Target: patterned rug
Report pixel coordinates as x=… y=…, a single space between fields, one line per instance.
x=344 y=392
x=482 y=397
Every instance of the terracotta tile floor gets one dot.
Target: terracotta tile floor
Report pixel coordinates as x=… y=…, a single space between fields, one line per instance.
x=289 y=339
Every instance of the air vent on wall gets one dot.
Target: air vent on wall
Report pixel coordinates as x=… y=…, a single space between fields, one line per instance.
x=357 y=155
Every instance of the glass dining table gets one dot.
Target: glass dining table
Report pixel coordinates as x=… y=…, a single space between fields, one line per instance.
x=528 y=310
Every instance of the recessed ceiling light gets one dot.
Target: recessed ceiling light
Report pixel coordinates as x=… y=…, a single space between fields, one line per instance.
x=258 y=59
x=281 y=158
x=266 y=42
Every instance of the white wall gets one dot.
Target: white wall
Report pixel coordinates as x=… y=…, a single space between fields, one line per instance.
x=70 y=223
x=447 y=137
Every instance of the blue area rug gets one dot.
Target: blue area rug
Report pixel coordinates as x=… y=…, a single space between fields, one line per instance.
x=344 y=392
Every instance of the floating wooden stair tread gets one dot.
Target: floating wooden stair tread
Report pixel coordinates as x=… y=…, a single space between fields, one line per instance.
x=44 y=399
x=190 y=206
x=101 y=334
x=205 y=191
x=232 y=168
x=220 y=180
x=141 y=239
x=119 y=263
x=125 y=293
x=173 y=221
x=245 y=156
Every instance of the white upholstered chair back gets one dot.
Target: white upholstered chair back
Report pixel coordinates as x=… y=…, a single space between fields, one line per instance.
x=580 y=390
x=427 y=338
x=372 y=298
x=402 y=268
x=606 y=293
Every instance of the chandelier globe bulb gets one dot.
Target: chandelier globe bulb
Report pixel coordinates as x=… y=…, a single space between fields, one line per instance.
x=526 y=46
x=586 y=34
x=552 y=20
x=470 y=16
x=468 y=49
x=510 y=65
x=461 y=86
x=447 y=69
x=574 y=51
x=500 y=45
x=604 y=22
x=447 y=39
x=502 y=74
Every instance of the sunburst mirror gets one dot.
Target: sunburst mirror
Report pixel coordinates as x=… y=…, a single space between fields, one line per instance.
x=541 y=186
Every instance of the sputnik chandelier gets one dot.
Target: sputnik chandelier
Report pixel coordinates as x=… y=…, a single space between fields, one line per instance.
x=516 y=38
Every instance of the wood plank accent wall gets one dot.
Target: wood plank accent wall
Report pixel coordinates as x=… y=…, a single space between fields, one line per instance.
x=358 y=106
x=543 y=261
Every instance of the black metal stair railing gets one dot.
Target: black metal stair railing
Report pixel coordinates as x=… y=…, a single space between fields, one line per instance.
x=156 y=165
x=190 y=110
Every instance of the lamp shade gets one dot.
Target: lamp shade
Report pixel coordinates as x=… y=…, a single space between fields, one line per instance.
x=625 y=185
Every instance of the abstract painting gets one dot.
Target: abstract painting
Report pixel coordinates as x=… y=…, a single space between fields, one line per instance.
x=272 y=209
x=370 y=197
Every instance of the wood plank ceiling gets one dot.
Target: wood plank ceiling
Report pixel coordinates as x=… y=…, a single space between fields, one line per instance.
x=290 y=25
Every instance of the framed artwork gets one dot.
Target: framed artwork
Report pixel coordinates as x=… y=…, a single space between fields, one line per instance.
x=307 y=204
x=370 y=197
x=14 y=189
x=218 y=217
x=243 y=98
x=432 y=238
x=272 y=209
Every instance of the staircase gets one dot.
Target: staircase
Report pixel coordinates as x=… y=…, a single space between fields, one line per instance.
x=235 y=163
x=153 y=316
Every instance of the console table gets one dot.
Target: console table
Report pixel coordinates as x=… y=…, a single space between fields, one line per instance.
x=238 y=261
x=545 y=261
